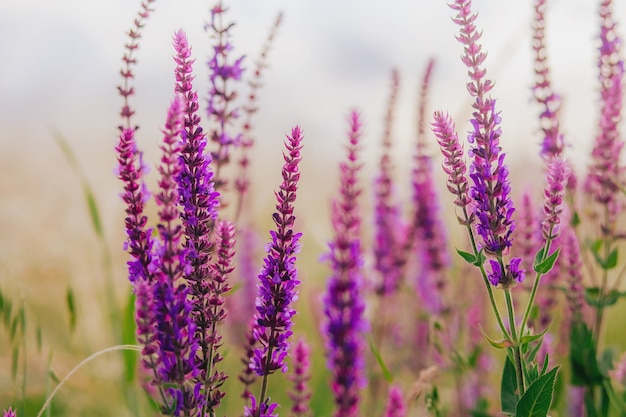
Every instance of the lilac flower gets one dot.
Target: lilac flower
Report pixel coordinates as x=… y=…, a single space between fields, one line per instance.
x=553 y=142
x=220 y=106
x=528 y=241
x=343 y=302
x=278 y=280
x=126 y=89
x=512 y=272
x=490 y=191
x=9 y=412
x=429 y=231
x=395 y=403
x=575 y=290
x=558 y=172
x=242 y=182
x=301 y=394
x=605 y=175
x=454 y=163
x=139 y=240
x=387 y=253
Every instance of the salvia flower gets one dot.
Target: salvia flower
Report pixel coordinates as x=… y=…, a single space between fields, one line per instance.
x=454 y=163
x=198 y=201
x=550 y=102
x=242 y=183
x=126 y=90
x=221 y=96
x=388 y=228
x=558 y=172
x=430 y=233
x=395 y=403
x=278 y=279
x=506 y=275
x=139 y=240
x=604 y=174
x=491 y=189
x=528 y=235
x=343 y=303
x=9 y=412
x=575 y=292
x=301 y=394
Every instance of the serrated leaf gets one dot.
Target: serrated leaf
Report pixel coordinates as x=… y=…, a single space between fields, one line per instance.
x=508 y=388
x=546 y=265
x=537 y=399
x=469 y=257
x=386 y=373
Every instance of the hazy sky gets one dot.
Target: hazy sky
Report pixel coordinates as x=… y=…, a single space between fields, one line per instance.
x=60 y=63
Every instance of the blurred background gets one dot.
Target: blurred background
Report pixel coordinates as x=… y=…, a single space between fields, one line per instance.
x=58 y=76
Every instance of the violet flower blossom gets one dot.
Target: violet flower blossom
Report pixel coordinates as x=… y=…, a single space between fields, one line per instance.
x=389 y=260
x=199 y=203
x=220 y=106
x=491 y=189
x=9 y=412
x=343 y=302
x=301 y=394
x=553 y=143
x=454 y=162
x=429 y=230
x=395 y=403
x=558 y=173
x=278 y=281
x=605 y=175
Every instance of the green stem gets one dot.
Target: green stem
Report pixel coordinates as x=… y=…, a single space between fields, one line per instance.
x=517 y=349
x=80 y=365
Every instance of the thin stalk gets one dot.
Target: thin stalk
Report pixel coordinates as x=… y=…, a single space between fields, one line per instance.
x=517 y=349
x=533 y=292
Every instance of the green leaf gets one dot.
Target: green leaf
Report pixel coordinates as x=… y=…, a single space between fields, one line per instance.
x=611 y=260
x=585 y=370
x=498 y=344
x=71 y=308
x=594 y=299
x=508 y=388
x=469 y=257
x=546 y=265
x=537 y=399
x=575 y=219
x=386 y=373
x=531 y=338
x=128 y=338
x=539 y=256
x=94 y=214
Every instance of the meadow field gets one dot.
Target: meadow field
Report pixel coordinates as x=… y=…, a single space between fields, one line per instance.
x=312 y=208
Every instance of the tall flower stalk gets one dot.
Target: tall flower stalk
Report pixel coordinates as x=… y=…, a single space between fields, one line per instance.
x=278 y=282
x=344 y=305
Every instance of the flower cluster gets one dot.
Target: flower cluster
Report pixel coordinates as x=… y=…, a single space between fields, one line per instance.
x=344 y=301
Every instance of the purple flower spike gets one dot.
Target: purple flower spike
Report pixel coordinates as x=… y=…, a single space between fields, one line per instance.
x=139 y=242
x=343 y=303
x=488 y=172
x=301 y=394
x=278 y=279
x=388 y=255
x=454 y=162
x=574 y=267
x=395 y=403
x=553 y=142
x=221 y=97
x=605 y=175
x=558 y=172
